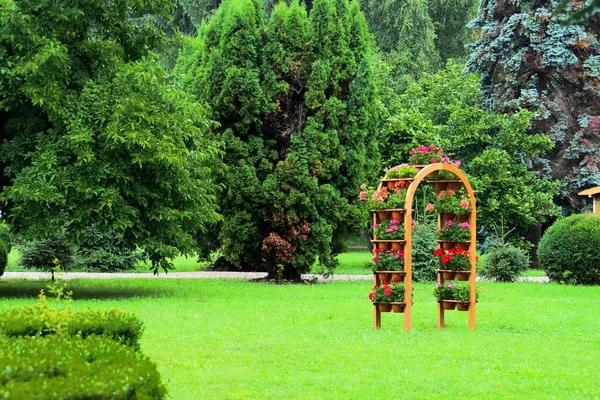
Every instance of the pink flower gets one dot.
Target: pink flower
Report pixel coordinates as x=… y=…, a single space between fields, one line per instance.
x=449 y=192
x=430 y=207
x=394 y=222
x=376 y=251
x=392 y=228
x=464 y=225
x=434 y=160
x=363 y=186
x=400 y=254
x=411 y=153
x=446 y=160
x=449 y=223
x=457 y=163
x=438 y=285
x=375 y=259
x=464 y=204
x=433 y=148
x=412 y=223
x=439 y=230
x=362 y=196
x=441 y=152
x=375 y=225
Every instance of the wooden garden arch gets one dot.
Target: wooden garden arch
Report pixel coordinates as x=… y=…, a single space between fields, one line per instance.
x=422 y=175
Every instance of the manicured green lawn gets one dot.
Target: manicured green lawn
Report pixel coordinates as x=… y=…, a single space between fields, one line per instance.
x=229 y=339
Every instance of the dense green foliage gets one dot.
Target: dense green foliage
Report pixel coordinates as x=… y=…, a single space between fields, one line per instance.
x=94 y=133
x=495 y=149
x=450 y=18
x=504 y=263
x=3 y=257
x=48 y=254
x=405 y=34
x=424 y=263
x=62 y=367
x=568 y=251
x=43 y=320
x=296 y=105
x=104 y=251
x=6 y=235
x=532 y=59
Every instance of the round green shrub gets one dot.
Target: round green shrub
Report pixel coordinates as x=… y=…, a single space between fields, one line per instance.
x=424 y=262
x=3 y=257
x=504 y=263
x=569 y=251
x=63 y=367
x=6 y=235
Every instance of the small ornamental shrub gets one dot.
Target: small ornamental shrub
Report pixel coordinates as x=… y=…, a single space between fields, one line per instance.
x=64 y=367
x=454 y=231
x=569 y=251
x=401 y=171
x=47 y=254
x=504 y=263
x=386 y=293
x=454 y=259
x=424 y=263
x=6 y=235
x=388 y=260
x=106 y=251
x=390 y=230
x=43 y=320
x=3 y=257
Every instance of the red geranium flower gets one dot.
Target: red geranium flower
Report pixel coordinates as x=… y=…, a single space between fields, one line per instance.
x=446 y=259
x=387 y=291
x=438 y=252
x=371 y=296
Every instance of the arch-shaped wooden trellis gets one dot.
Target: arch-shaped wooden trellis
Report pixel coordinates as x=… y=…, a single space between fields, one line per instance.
x=408 y=212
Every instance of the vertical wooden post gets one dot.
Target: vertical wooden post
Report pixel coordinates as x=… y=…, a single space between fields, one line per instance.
x=408 y=261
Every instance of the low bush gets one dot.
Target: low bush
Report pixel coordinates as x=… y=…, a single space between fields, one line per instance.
x=504 y=263
x=424 y=263
x=569 y=250
x=43 y=320
x=45 y=254
x=106 y=251
x=3 y=257
x=63 y=367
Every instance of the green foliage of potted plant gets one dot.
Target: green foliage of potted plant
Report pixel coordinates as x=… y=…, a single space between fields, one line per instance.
x=386 y=294
x=384 y=198
x=454 y=231
x=389 y=230
x=402 y=171
x=452 y=295
x=451 y=202
x=387 y=261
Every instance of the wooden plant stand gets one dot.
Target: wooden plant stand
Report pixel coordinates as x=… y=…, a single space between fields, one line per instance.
x=408 y=211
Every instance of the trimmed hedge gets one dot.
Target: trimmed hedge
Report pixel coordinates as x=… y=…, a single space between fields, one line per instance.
x=42 y=320
x=569 y=250
x=64 y=367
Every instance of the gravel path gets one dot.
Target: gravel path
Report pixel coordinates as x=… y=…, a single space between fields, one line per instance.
x=197 y=275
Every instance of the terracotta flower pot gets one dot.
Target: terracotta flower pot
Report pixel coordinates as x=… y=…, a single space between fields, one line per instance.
x=448 y=275
x=448 y=305
x=398 y=275
x=383 y=215
x=384 y=307
x=397 y=246
x=439 y=186
x=384 y=276
x=462 y=245
x=398 y=307
x=455 y=185
x=462 y=217
x=463 y=275
x=463 y=306
x=446 y=245
x=390 y=184
x=399 y=215
x=384 y=246
x=446 y=217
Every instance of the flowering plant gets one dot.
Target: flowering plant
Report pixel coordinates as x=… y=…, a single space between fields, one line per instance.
x=383 y=197
x=388 y=260
x=446 y=175
x=451 y=291
x=423 y=155
x=386 y=293
x=401 y=171
x=450 y=201
x=454 y=259
x=454 y=231
x=389 y=229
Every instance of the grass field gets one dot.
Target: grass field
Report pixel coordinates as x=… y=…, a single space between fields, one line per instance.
x=229 y=339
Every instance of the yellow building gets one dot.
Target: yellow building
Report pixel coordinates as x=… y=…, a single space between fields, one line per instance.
x=594 y=193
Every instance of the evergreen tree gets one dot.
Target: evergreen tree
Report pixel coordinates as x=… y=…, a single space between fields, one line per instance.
x=405 y=33
x=295 y=101
x=528 y=57
x=450 y=18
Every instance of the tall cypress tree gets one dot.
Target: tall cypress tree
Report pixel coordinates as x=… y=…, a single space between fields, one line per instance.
x=295 y=101
x=529 y=57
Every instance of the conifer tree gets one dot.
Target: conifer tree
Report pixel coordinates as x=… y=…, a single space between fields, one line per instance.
x=295 y=101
